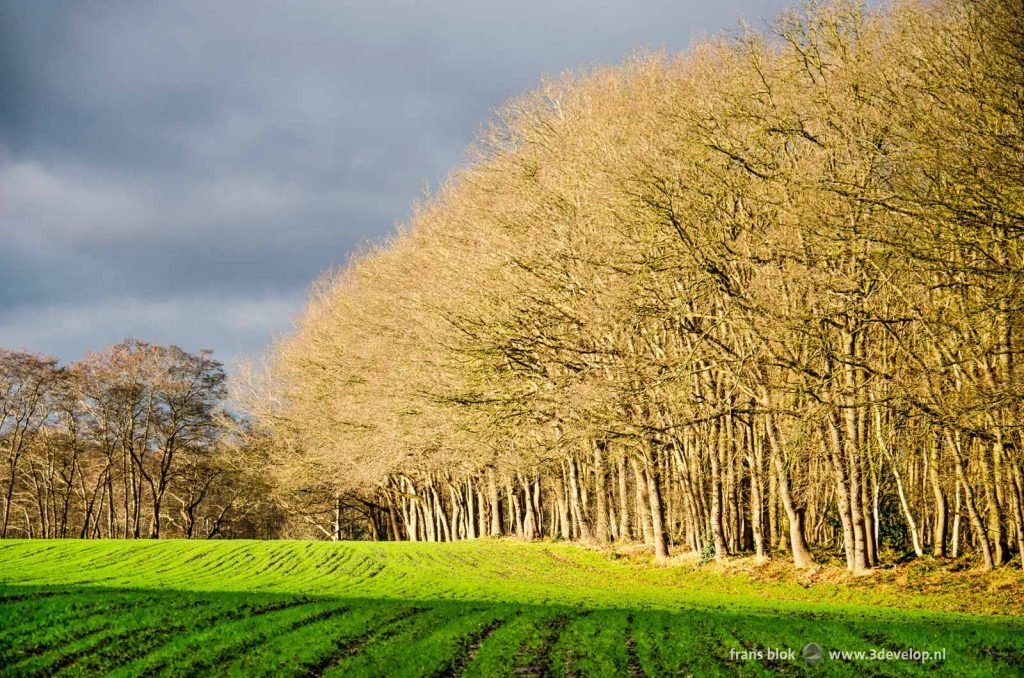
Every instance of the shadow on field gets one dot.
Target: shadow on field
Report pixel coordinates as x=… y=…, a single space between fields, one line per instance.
x=95 y=630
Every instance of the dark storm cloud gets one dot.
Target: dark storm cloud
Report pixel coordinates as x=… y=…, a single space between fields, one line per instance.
x=182 y=171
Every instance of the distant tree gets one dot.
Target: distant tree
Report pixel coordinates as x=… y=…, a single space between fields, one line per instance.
x=27 y=384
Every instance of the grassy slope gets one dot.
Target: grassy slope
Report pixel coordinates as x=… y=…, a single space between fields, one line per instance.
x=480 y=608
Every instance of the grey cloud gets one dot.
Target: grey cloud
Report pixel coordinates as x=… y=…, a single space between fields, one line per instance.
x=243 y=324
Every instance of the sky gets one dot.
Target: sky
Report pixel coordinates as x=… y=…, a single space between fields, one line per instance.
x=181 y=172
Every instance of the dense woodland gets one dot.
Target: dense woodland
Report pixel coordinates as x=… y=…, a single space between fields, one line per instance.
x=764 y=297
x=131 y=442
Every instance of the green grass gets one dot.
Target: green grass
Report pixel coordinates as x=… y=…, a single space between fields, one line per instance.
x=483 y=608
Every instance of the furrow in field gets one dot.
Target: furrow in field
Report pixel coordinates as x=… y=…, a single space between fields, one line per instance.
x=65 y=646
x=216 y=569
x=305 y=646
x=9 y=598
x=358 y=578
x=137 y=642
x=274 y=555
x=202 y=648
x=204 y=563
x=229 y=654
x=26 y=566
x=104 y=566
x=535 y=657
x=633 y=660
x=352 y=646
x=517 y=646
x=290 y=566
x=468 y=649
x=422 y=647
x=30 y=630
x=672 y=644
x=593 y=643
x=26 y=660
x=332 y=566
x=723 y=639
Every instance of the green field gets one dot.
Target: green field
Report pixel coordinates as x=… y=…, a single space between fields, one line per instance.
x=490 y=607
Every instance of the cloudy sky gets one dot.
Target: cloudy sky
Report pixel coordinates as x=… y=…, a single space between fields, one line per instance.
x=182 y=171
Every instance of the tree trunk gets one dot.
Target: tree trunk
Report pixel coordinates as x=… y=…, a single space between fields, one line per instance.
x=492 y=492
x=755 y=460
x=643 y=504
x=911 y=523
x=564 y=523
x=624 y=525
x=842 y=493
x=996 y=533
x=657 y=512
x=1016 y=489
x=601 y=532
x=972 y=510
x=717 y=532
x=941 y=506
x=575 y=504
x=797 y=540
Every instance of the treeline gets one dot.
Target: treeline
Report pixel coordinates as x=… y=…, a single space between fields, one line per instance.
x=764 y=297
x=130 y=442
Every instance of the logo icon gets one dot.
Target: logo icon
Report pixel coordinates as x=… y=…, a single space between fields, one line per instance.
x=812 y=653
